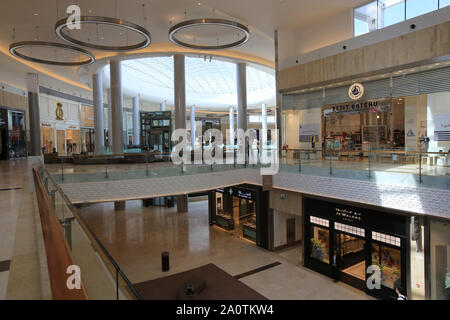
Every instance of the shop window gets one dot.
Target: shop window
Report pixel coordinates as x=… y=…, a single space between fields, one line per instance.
x=319 y=221
x=381 y=237
x=416 y=8
x=349 y=229
x=443 y=3
x=389 y=261
x=365 y=18
x=390 y=12
x=320 y=244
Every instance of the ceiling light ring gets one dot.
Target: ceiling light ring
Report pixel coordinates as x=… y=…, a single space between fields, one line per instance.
x=61 y=24
x=17 y=45
x=209 y=21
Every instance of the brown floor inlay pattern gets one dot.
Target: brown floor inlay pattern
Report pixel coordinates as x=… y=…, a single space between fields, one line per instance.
x=219 y=286
x=4 y=265
x=249 y=273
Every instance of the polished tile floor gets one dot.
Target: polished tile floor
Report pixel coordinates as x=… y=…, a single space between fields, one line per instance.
x=135 y=237
x=17 y=233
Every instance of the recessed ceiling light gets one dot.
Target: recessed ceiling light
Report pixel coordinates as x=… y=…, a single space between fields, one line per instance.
x=36 y=14
x=199 y=3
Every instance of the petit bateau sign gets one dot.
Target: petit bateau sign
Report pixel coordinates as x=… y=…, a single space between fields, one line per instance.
x=356 y=91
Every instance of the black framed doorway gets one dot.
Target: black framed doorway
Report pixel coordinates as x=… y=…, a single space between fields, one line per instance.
x=349 y=243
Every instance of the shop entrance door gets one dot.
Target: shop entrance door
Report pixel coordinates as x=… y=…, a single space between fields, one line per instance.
x=61 y=141
x=350 y=258
x=4 y=144
x=157 y=140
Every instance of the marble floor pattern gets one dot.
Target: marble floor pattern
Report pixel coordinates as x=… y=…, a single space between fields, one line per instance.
x=21 y=280
x=135 y=238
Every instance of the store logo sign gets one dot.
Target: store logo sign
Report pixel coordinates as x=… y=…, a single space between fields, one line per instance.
x=59 y=111
x=374 y=278
x=74 y=16
x=348 y=215
x=245 y=195
x=356 y=91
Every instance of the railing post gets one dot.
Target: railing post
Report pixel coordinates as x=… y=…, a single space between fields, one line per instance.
x=106 y=172
x=66 y=224
x=331 y=165
x=300 y=161
x=52 y=197
x=146 y=165
x=234 y=157
x=62 y=170
x=182 y=172
x=117 y=284
x=370 y=152
x=420 y=167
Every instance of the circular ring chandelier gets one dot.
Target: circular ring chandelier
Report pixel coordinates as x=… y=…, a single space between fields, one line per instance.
x=14 y=47
x=213 y=21
x=62 y=24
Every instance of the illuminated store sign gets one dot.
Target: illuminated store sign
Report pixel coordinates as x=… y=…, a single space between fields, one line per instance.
x=348 y=215
x=244 y=194
x=356 y=91
x=380 y=105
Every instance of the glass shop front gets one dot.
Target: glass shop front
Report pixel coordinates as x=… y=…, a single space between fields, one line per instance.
x=12 y=134
x=358 y=246
x=241 y=210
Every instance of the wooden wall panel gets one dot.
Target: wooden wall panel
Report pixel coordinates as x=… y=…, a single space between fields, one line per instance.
x=409 y=48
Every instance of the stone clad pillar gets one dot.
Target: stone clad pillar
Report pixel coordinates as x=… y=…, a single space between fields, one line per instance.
x=192 y=119
x=117 y=106
x=136 y=122
x=97 y=93
x=231 y=119
x=180 y=111
x=34 y=116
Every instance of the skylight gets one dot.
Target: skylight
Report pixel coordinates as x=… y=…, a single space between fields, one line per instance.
x=208 y=83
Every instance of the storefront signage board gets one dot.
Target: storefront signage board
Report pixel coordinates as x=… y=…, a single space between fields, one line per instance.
x=360 y=217
x=378 y=105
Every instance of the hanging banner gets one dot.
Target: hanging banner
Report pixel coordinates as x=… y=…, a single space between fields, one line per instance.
x=442 y=127
x=307 y=131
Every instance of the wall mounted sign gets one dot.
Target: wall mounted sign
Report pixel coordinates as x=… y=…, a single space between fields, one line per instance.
x=283 y=196
x=356 y=91
x=244 y=194
x=442 y=127
x=378 y=105
x=309 y=130
x=267 y=181
x=59 y=111
x=348 y=215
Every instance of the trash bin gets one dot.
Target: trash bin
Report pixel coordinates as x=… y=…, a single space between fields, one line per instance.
x=165 y=261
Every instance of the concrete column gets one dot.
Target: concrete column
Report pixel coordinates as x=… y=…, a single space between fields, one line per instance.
x=136 y=121
x=33 y=107
x=241 y=84
x=192 y=118
x=278 y=98
x=117 y=106
x=180 y=92
x=180 y=111
x=263 y=137
x=231 y=119
x=109 y=118
x=162 y=106
x=97 y=93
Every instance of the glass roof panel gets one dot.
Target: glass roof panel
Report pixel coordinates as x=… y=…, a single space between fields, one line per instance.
x=208 y=82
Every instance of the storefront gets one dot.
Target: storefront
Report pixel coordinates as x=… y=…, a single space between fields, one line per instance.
x=393 y=111
x=350 y=243
x=12 y=134
x=242 y=210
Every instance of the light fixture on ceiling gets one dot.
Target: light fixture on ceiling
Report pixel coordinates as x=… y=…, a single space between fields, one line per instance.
x=62 y=25
x=208 y=22
x=14 y=50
